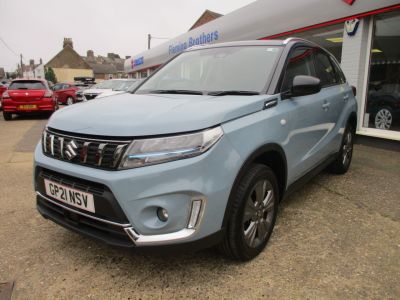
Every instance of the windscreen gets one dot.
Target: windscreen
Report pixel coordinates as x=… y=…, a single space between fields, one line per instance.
x=125 y=85
x=239 y=68
x=27 y=85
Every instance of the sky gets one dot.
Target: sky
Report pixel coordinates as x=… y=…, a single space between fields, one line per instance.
x=36 y=28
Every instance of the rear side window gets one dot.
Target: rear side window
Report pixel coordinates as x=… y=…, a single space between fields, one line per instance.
x=300 y=63
x=324 y=69
x=27 y=85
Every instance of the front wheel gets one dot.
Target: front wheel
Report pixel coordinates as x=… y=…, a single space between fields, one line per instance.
x=254 y=206
x=342 y=163
x=7 y=116
x=70 y=101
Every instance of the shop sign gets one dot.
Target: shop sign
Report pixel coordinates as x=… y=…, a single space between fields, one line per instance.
x=349 y=2
x=352 y=26
x=137 y=62
x=201 y=39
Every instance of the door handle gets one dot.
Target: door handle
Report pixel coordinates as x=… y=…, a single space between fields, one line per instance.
x=325 y=106
x=345 y=98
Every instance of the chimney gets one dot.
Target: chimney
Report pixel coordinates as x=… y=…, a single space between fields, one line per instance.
x=68 y=41
x=41 y=61
x=31 y=62
x=90 y=53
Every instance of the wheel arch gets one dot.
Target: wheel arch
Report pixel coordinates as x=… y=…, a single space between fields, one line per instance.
x=352 y=120
x=271 y=155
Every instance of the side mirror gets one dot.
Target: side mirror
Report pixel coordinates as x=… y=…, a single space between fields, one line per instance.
x=305 y=85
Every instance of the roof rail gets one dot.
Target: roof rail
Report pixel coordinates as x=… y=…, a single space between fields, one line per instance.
x=290 y=39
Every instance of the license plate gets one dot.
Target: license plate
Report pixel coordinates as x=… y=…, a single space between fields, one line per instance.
x=28 y=106
x=70 y=196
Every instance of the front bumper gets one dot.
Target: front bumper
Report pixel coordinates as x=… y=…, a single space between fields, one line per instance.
x=174 y=186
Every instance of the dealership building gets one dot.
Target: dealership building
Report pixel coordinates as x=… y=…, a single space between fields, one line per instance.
x=364 y=35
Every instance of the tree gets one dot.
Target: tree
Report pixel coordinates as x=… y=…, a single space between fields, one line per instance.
x=50 y=75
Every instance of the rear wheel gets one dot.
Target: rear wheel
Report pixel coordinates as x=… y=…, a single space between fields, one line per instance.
x=70 y=101
x=7 y=116
x=342 y=162
x=252 y=215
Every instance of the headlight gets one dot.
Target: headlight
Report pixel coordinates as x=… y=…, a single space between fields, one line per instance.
x=159 y=150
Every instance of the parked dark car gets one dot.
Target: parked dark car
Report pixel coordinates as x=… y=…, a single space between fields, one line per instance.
x=384 y=105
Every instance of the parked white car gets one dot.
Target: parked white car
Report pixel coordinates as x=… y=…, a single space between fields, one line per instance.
x=109 y=87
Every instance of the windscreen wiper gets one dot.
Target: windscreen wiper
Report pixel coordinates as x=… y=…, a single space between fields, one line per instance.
x=188 y=92
x=233 y=92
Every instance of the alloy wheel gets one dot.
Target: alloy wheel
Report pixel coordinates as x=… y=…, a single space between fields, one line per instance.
x=347 y=148
x=383 y=119
x=258 y=213
x=70 y=101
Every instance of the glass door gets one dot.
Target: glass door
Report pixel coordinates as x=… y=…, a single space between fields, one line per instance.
x=382 y=109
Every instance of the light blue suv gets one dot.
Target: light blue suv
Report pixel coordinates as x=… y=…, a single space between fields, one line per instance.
x=203 y=151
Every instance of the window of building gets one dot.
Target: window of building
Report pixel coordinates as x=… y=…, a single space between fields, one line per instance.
x=383 y=98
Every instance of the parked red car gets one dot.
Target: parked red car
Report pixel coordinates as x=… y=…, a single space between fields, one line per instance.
x=28 y=96
x=3 y=88
x=65 y=93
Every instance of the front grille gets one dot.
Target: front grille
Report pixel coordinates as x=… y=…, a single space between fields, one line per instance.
x=90 y=96
x=85 y=151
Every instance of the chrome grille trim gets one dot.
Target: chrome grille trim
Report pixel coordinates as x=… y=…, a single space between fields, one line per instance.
x=105 y=154
x=52 y=144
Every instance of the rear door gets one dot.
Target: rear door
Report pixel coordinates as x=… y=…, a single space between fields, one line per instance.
x=306 y=119
x=335 y=94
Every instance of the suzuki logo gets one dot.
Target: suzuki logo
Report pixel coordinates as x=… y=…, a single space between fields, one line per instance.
x=71 y=150
x=352 y=26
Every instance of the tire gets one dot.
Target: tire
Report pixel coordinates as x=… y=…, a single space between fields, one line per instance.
x=70 y=101
x=342 y=163
x=383 y=118
x=7 y=116
x=250 y=224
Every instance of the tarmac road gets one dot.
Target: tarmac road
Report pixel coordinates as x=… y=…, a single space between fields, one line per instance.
x=337 y=238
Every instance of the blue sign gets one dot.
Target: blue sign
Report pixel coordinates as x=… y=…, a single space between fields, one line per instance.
x=137 y=62
x=203 y=38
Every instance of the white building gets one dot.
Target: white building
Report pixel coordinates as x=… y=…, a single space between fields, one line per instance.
x=364 y=35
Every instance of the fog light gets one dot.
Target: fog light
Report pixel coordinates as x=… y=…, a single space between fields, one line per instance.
x=194 y=214
x=162 y=214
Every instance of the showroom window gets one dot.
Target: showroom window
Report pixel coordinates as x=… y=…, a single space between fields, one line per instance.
x=329 y=37
x=383 y=98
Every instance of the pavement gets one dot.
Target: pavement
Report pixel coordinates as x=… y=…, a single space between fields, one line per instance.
x=336 y=238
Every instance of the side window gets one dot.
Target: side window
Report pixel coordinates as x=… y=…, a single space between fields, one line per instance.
x=66 y=86
x=57 y=87
x=300 y=63
x=338 y=71
x=324 y=70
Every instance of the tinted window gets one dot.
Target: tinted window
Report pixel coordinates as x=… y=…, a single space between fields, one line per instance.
x=27 y=85
x=324 y=70
x=300 y=63
x=338 y=72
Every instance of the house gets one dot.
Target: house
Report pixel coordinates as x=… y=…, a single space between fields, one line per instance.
x=206 y=17
x=68 y=64
x=33 y=70
x=105 y=67
x=2 y=74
